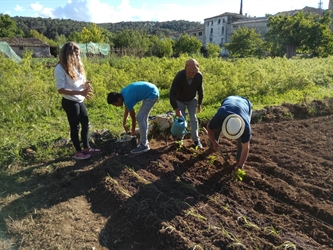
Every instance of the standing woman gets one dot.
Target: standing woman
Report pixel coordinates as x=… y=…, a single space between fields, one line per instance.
x=71 y=84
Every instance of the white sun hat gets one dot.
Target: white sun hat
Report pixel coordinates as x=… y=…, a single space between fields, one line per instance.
x=233 y=126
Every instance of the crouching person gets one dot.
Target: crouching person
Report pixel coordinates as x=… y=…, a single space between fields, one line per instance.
x=233 y=118
x=130 y=95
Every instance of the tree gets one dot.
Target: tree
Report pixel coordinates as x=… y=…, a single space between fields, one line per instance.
x=134 y=40
x=187 y=44
x=303 y=30
x=37 y=35
x=75 y=37
x=162 y=47
x=92 y=34
x=8 y=27
x=245 y=42
x=60 y=39
x=213 y=50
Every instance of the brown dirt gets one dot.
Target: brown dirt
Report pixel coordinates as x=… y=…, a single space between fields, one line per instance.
x=182 y=198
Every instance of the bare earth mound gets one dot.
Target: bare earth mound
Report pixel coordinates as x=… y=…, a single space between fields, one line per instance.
x=182 y=198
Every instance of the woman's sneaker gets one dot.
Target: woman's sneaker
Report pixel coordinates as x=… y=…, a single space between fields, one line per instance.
x=81 y=156
x=140 y=149
x=91 y=151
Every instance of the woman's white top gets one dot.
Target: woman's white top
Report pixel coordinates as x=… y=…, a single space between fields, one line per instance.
x=64 y=81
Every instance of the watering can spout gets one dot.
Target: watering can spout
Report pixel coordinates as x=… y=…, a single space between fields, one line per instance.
x=179 y=126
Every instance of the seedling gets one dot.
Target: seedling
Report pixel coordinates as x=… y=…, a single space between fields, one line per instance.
x=194 y=150
x=224 y=232
x=169 y=229
x=180 y=145
x=287 y=245
x=197 y=247
x=211 y=159
x=271 y=230
x=247 y=223
x=140 y=178
x=193 y=213
x=239 y=174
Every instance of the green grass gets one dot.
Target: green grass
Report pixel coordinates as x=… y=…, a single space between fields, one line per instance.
x=32 y=116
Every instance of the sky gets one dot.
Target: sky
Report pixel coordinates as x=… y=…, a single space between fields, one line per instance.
x=113 y=11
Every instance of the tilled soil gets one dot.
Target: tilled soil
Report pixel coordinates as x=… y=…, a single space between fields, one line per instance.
x=176 y=197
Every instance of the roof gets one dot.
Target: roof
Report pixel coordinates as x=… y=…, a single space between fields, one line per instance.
x=258 y=20
x=229 y=14
x=196 y=29
x=305 y=9
x=19 y=41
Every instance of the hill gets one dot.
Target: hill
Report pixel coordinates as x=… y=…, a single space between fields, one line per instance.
x=183 y=198
x=53 y=27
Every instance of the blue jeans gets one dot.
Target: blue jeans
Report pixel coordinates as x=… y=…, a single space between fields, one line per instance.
x=192 y=111
x=142 y=118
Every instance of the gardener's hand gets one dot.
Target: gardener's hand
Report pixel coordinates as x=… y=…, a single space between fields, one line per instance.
x=87 y=93
x=87 y=85
x=235 y=168
x=178 y=112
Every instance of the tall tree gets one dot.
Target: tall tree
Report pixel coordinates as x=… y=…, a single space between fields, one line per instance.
x=161 y=47
x=213 y=50
x=302 y=30
x=187 y=44
x=245 y=42
x=92 y=34
x=8 y=27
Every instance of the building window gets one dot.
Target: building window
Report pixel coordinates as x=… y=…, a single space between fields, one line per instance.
x=194 y=34
x=223 y=30
x=210 y=40
x=219 y=21
x=200 y=33
x=208 y=23
x=211 y=31
x=223 y=20
x=212 y=23
x=222 y=40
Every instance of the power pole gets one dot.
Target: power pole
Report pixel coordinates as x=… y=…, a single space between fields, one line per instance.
x=241 y=8
x=320 y=5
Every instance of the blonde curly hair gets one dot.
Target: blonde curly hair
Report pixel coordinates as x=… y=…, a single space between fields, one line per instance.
x=69 y=60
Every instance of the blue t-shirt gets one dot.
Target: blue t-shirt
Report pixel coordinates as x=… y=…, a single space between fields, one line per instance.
x=138 y=91
x=234 y=105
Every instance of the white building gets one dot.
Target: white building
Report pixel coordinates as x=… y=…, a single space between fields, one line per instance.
x=218 y=29
x=197 y=32
x=258 y=24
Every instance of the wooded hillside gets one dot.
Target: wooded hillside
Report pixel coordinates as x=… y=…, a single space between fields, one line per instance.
x=52 y=27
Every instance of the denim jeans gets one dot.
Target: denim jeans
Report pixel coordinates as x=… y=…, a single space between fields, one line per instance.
x=142 y=118
x=192 y=111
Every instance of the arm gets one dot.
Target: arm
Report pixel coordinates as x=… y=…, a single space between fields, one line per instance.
x=244 y=154
x=215 y=144
x=125 y=119
x=132 y=114
x=172 y=95
x=85 y=92
x=200 y=93
x=60 y=76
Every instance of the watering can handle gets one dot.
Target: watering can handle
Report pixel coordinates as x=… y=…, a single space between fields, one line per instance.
x=175 y=117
